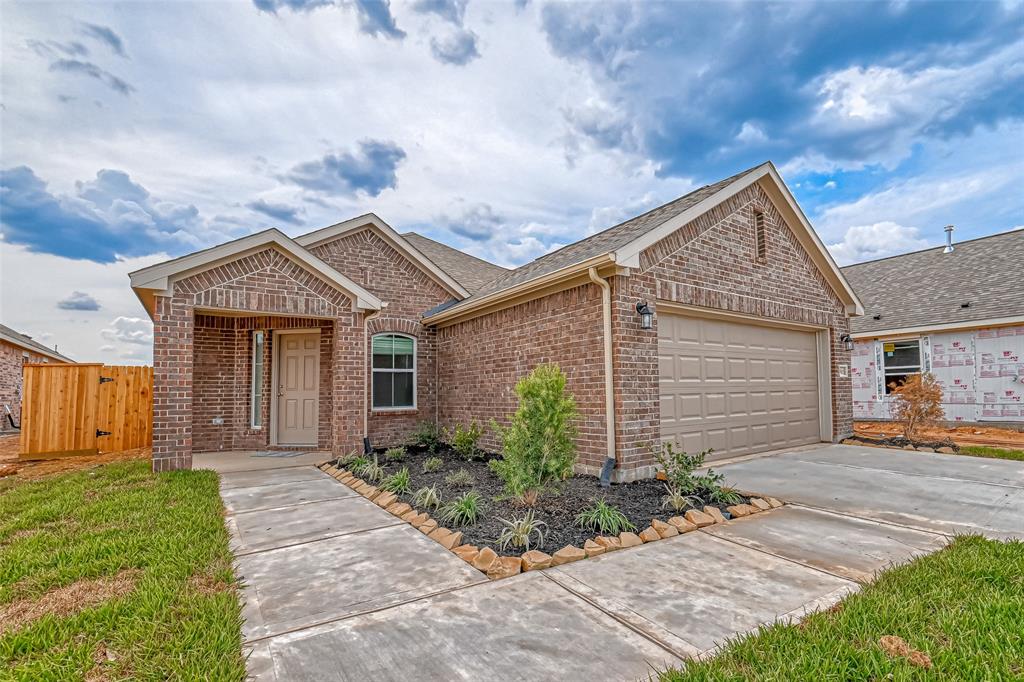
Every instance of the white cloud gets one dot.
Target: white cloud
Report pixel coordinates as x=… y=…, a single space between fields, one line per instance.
x=868 y=242
x=751 y=133
x=134 y=330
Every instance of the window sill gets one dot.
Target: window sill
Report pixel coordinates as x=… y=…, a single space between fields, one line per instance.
x=393 y=410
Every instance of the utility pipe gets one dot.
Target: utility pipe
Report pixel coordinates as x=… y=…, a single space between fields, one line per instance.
x=366 y=373
x=609 y=386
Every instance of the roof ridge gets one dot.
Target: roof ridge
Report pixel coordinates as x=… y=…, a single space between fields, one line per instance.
x=449 y=246
x=932 y=248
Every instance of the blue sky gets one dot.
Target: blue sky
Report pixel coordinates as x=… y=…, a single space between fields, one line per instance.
x=132 y=132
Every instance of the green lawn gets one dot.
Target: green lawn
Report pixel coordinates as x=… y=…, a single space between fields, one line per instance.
x=962 y=607
x=117 y=573
x=985 y=451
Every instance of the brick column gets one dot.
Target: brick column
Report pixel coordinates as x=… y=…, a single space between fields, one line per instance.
x=347 y=422
x=173 y=324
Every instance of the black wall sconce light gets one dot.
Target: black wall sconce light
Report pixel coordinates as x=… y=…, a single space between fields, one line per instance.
x=646 y=314
x=847 y=341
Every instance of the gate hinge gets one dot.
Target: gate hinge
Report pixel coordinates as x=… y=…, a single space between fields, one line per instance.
x=104 y=380
x=102 y=433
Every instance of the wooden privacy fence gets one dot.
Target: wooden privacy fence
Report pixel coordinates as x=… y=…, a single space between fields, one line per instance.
x=85 y=409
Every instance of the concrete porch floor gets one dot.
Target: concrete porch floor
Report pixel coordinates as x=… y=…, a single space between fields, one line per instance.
x=256 y=460
x=336 y=588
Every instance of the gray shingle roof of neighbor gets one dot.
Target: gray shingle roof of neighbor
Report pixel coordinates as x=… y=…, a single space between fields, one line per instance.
x=930 y=287
x=469 y=271
x=25 y=341
x=601 y=243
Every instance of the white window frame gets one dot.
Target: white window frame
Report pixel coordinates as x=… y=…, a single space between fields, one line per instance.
x=903 y=370
x=259 y=342
x=414 y=371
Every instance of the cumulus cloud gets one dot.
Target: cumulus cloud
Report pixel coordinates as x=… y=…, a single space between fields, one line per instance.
x=52 y=49
x=450 y=10
x=107 y=36
x=282 y=212
x=78 y=300
x=371 y=169
x=374 y=16
x=458 y=48
x=78 y=67
x=134 y=330
x=478 y=223
x=878 y=240
x=108 y=216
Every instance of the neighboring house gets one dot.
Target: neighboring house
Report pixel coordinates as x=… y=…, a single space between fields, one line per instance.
x=958 y=314
x=16 y=351
x=356 y=331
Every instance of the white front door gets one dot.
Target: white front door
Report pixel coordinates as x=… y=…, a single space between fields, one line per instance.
x=298 y=389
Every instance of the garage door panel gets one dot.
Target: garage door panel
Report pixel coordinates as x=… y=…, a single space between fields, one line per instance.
x=736 y=388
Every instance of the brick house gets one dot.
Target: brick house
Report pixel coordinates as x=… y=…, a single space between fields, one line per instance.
x=16 y=351
x=356 y=331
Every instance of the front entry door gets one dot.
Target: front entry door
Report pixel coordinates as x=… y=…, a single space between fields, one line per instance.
x=298 y=389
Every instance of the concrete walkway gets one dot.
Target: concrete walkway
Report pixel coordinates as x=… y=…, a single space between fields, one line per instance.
x=336 y=588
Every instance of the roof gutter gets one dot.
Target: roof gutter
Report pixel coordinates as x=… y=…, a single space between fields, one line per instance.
x=611 y=460
x=519 y=293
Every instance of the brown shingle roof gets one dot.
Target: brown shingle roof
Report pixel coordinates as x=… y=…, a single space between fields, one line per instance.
x=601 y=243
x=469 y=271
x=929 y=287
x=27 y=342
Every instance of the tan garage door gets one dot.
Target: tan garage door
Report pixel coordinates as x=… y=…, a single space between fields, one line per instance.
x=738 y=388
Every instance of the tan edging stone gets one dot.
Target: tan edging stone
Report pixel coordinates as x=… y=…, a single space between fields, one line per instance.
x=534 y=560
x=567 y=554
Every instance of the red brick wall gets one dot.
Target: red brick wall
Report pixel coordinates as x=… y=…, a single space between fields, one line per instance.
x=711 y=263
x=481 y=360
x=183 y=354
x=223 y=380
x=12 y=359
x=370 y=261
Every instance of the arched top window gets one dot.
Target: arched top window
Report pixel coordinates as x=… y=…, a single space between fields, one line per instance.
x=394 y=372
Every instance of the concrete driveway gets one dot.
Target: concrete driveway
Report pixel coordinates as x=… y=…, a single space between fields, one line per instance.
x=339 y=589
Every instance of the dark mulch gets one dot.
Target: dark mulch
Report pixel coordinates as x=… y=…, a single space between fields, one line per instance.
x=900 y=442
x=640 y=501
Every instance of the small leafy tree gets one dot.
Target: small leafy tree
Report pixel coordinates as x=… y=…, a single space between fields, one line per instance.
x=918 y=402
x=539 y=445
x=681 y=482
x=465 y=440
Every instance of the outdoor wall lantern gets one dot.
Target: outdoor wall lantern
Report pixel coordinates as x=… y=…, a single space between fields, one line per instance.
x=646 y=314
x=847 y=341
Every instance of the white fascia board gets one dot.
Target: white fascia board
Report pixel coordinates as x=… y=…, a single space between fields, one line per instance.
x=629 y=255
x=390 y=235
x=949 y=326
x=160 y=277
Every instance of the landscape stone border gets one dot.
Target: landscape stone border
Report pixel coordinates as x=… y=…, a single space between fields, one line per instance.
x=495 y=566
x=944 y=450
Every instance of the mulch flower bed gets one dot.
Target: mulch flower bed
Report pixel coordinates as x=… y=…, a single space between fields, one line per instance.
x=640 y=501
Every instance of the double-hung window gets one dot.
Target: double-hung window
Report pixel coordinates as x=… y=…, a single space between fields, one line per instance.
x=394 y=372
x=900 y=360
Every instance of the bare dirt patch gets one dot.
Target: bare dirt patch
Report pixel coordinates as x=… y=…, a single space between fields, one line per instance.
x=13 y=467
x=897 y=647
x=67 y=600
x=961 y=435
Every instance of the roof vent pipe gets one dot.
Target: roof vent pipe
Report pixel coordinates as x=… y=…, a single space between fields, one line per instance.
x=949 y=240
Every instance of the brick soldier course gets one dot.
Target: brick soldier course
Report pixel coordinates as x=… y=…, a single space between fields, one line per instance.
x=478 y=328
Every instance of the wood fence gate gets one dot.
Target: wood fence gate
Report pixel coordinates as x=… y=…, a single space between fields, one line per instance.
x=84 y=409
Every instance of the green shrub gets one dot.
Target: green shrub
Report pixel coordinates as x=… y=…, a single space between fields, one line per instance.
x=426 y=435
x=604 y=518
x=346 y=461
x=398 y=482
x=394 y=454
x=462 y=511
x=677 y=501
x=519 y=530
x=426 y=497
x=679 y=469
x=369 y=470
x=356 y=464
x=464 y=440
x=459 y=478
x=432 y=464
x=538 y=445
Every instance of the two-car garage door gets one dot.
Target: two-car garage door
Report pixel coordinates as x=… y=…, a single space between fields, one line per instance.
x=737 y=388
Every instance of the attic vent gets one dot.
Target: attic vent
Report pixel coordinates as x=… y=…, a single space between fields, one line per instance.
x=876 y=317
x=965 y=305
x=760 y=241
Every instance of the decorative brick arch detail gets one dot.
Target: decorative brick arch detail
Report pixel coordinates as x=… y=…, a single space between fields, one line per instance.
x=383 y=325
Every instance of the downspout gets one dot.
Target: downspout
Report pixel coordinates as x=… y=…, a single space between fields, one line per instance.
x=609 y=387
x=366 y=376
